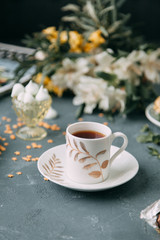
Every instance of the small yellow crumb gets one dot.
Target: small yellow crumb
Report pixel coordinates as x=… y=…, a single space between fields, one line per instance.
x=10 y=175
x=64 y=133
x=50 y=141
x=19 y=173
x=80 y=119
x=17 y=153
x=14 y=158
x=13 y=137
x=100 y=114
x=4 y=118
x=46 y=179
x=2 y=148
x=6 y=144
x=105 y=123
x=28 y=147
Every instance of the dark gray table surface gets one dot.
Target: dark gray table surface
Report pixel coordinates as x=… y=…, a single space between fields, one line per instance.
x=31 y=208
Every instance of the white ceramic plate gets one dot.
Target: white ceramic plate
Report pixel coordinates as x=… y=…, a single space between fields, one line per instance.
x=51 y=165
x=151 y=115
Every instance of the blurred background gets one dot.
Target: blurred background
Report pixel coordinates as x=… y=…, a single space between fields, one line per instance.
x=21 y=17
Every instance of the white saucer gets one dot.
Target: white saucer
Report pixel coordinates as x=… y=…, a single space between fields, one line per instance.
x=51 y=165
x=151 y=115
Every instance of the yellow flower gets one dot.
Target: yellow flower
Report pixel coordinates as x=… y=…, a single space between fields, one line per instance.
x=49 y=85
x=95 y=39
x=75 y=40
x=51 y=34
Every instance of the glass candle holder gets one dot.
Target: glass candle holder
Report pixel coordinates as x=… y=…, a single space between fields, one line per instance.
x=31 y=114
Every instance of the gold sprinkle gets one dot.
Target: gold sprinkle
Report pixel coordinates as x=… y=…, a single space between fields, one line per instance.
x=80 y=119
x=2 y=148
x=4 y=118
x=10 y=175
x=100 y=114
x=17 y=153
x=46 y=179
x=28 y=147
x=12 y=137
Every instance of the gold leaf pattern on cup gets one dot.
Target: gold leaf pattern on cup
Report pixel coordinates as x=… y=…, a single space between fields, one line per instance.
x=95 y=174
x=74 y=148
x=53 y=169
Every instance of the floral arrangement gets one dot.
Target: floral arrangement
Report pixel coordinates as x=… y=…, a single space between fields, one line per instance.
x=99 y=59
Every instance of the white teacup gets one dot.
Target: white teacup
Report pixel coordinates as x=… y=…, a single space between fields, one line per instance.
x=88 y=160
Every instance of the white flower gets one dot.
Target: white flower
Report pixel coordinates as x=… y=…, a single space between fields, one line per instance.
x=113 y=98
x=103 y=61
x=40 y=55
x=151 y=66
x=68 y=75
x=89 y=91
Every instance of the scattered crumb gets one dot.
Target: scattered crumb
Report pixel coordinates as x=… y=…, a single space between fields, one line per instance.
x=35 y=159
x=14 y=158
x=19 y=173
x=2 y=148
x=80 y=119
x=100 y=114
x=105 y=123
x=64 y=133
x=46 y=179
x=4 y=118
x=50 y=141
x=8 y=119
x=26 y=159
x=15 y=126
x=17 y=153
x=6 y=144
x=13 y=137
x=10 y=175
x=28 y=147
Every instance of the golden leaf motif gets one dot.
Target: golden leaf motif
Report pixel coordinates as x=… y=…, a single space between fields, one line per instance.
x=81 y=160
x=53 y=169
x=83 y=147
x=95 y=174
x=76 y=156
x=75 y=143
x=88 y=166
x=104 y=164
x=70 y=153
x=100 y=153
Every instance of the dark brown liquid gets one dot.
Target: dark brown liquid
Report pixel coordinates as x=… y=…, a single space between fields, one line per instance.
x=88 y=134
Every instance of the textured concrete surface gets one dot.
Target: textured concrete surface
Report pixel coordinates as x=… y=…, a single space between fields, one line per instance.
x=31 y=208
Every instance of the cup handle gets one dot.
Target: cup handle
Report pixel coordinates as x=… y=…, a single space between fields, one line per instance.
x=122 y=148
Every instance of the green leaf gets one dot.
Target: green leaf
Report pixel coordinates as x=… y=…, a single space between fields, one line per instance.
x=145 y=128
x=145 y=138
x=153 y=151
x=106 y=76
